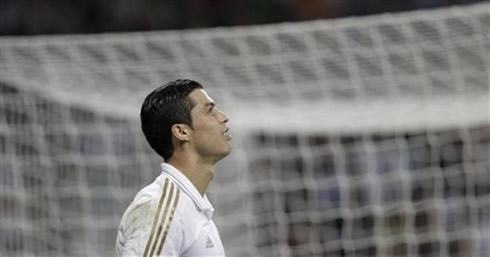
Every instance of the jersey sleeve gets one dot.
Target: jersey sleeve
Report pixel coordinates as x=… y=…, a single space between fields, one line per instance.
x=151 y=228
x=132 y=230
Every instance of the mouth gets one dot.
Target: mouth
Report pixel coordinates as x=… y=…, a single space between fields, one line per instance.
x=226 y=134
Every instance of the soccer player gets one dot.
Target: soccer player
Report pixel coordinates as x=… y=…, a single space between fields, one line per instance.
x=172 y=216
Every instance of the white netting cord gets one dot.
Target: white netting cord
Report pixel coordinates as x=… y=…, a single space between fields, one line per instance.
x=419 y=55
x=352 y=137
x=389 y=199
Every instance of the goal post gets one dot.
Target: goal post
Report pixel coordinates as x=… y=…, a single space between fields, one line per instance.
x=363 y=136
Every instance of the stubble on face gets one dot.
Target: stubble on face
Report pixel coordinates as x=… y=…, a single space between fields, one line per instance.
x=210 y=130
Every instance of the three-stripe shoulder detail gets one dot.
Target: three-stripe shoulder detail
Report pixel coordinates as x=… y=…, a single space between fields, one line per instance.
x=163 y=218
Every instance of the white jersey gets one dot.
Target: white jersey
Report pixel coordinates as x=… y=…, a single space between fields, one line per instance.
x=169 y=218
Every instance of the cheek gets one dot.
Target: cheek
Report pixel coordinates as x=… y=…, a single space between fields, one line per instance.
x=204 y=125
x=205 y=131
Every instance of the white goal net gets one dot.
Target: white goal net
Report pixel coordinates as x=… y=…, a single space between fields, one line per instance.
x=352 y=137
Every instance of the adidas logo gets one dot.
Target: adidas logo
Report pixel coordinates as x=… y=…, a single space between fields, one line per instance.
x=209 y=243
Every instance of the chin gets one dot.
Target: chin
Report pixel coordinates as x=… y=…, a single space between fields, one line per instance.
x=228 y=151
x=225 y=153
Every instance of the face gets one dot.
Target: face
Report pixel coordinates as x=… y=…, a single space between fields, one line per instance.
x=209 y=135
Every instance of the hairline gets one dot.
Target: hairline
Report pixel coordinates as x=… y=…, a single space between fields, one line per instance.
x=192 y=104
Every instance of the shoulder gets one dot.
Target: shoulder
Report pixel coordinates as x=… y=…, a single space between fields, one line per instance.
x=153 y=219
x=161 y=196
x=162 y=219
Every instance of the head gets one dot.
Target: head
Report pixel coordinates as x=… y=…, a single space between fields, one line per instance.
x=180 y=115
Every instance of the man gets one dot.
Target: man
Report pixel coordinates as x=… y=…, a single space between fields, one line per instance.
x=172 y=215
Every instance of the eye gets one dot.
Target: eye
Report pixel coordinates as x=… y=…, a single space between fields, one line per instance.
x=210 y=107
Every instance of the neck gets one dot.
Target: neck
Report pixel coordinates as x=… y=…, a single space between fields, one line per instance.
x=199 y=172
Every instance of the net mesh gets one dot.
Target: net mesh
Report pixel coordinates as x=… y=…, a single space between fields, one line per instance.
x=352 y=137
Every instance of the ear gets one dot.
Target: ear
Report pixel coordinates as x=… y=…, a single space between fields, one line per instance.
x=181 y=132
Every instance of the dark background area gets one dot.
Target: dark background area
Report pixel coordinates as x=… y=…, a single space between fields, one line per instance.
x=34 y=17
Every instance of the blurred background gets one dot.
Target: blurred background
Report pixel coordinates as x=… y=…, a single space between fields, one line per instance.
x=34 y=17
x=360 y=128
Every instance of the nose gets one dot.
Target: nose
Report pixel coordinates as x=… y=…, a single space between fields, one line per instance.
x=224 y=118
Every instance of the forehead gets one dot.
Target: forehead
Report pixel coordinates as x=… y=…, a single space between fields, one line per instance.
x=200 y=97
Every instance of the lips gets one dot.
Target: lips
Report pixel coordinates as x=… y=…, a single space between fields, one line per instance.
x=228 y=136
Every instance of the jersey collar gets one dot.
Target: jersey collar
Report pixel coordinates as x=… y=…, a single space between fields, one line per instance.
x=201 y=202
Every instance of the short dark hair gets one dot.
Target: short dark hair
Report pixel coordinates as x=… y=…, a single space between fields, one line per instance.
x=164 y=107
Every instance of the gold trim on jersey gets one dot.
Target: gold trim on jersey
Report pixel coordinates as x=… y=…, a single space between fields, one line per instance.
x=160 y=221
x=147 y=247
x=164 y=217
x=172 y=212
